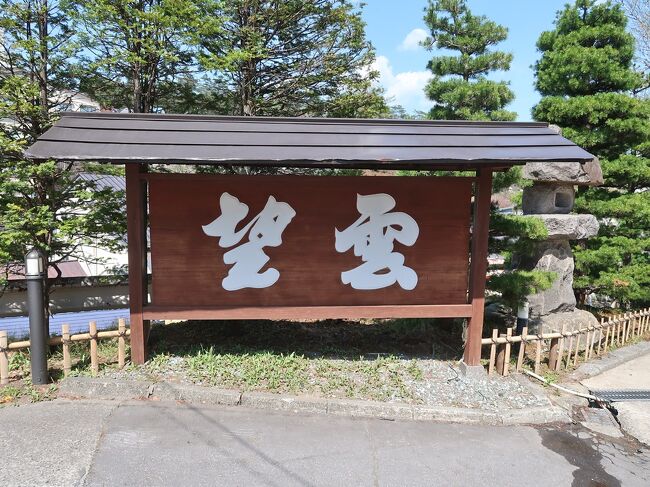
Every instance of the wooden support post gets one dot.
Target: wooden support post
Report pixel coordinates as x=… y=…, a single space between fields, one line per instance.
x=121 y=343
x=4 y=358
x=493 y=351
x=614 y=332
x=65 y=337
x=609 y=326
x=522 y=349
x=94 y=361
x=136 y=211
x=478 y=266
x=590 y=342
x=626 y=323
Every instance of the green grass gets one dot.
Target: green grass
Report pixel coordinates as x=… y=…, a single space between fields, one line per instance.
x=26 y=392
x=370 y=359
x=380 y=378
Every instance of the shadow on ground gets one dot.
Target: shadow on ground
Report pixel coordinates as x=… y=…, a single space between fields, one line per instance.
x=338 y=339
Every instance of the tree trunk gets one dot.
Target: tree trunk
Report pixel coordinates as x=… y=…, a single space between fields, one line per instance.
x=43 y=14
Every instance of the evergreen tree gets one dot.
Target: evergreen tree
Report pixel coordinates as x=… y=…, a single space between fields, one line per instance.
x=292 y=58
x=137 y=52
x=42 y=203
x=586 y=78
x=461 y=91
x=459 y=87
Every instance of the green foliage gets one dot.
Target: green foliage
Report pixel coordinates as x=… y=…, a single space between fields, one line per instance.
x=461 y=91
x=43 y=203
x=291 y=58
x=514 y=286
x=587 y=78
x=134 y=51
x=459 y=86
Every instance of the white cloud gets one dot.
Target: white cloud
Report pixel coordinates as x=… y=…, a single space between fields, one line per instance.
x=412 y=40
x=407 y=88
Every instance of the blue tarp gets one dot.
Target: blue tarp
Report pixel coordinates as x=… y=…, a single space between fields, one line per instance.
x=17 y=327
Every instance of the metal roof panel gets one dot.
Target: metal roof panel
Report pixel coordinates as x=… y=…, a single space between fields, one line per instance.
x=304 y=142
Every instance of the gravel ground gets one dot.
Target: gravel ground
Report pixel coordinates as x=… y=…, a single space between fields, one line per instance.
x=443 y=385
x=440 y=384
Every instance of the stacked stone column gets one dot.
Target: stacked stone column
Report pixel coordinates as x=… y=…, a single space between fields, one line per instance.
x=551 y=198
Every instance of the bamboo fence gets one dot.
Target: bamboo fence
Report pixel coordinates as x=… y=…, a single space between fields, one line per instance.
x=66 y=339
x=564 y=347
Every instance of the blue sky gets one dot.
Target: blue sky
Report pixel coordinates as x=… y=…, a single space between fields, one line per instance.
x=391 y=27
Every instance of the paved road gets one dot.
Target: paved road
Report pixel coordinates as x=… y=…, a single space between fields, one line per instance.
x=634 y=374
x=151 y=443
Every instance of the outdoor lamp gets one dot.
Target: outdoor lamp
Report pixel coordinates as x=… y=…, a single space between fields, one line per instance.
x=38 y=331
x=34 y=264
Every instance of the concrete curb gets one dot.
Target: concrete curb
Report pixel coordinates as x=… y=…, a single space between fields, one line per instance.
x=613 y=359
x=120 y=390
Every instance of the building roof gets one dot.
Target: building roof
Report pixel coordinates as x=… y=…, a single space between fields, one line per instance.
x=301 y=142
x=105 y=181
x=71 y=268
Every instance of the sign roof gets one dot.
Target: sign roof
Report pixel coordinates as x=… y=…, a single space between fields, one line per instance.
x=301 y=142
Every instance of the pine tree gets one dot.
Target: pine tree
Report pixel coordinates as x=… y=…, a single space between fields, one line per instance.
x=587 y=81
x=292 y=58
x=459 y=87
x=461 y=91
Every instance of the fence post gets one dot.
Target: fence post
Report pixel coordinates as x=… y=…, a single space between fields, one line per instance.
x=568 y=352
x=575 y=356
x=506 y=361
x=501 y=354
x=121 y=328
x=522 y=348
x=538 y=352
x=493 y=351
x=600 y=336
x=94 y=363
x=560 y=352
x=552 y=353
x=4 y=359
x=65 y=338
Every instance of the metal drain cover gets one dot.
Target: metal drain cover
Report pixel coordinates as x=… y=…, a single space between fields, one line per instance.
x=623 y=394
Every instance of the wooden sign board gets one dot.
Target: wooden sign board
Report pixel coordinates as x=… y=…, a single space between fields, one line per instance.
x=257 y=242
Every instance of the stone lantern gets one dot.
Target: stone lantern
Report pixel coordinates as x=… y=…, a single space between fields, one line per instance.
x=551 y=198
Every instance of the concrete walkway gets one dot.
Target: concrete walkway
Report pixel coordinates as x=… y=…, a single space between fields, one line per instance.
x=634 y=416
x=149 y=443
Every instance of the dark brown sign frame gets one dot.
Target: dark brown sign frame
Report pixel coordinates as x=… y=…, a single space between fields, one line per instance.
x=142 y=311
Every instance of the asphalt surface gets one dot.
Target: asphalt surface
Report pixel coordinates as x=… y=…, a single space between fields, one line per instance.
x=634 y=416
x=148 y=443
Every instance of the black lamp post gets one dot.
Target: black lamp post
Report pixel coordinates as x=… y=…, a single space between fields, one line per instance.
x=35 y=270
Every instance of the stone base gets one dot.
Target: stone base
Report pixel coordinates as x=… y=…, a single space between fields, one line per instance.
x=473 y=371
x=552 y=256
x=571 y=320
